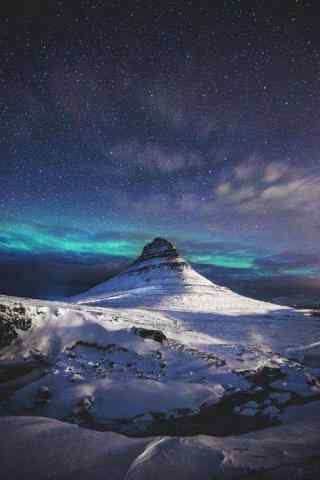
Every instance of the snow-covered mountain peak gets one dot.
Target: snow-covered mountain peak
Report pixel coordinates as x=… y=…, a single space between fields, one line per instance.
x=160 y=255
x=158 y=273
x=159 y=247
x=161 y=279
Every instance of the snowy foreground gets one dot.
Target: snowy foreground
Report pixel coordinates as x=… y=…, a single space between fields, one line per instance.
x=159 y=350
x=42 y=448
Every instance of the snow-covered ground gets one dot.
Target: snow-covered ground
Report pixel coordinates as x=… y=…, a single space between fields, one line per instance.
x=157 y=350
x=44 y=449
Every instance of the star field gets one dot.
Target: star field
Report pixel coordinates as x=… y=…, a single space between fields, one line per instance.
x=194 y=121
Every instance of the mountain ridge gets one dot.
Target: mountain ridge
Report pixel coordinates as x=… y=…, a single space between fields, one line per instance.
x=160 y=278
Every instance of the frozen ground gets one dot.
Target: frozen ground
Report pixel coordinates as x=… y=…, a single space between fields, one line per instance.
x=40 y=448
x=129 y=369
x=159 y=350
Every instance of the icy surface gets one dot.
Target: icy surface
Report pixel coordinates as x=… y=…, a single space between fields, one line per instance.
x=44 y=449
x=159 y=342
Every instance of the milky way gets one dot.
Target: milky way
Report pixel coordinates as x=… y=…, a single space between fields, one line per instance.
x=192 y=121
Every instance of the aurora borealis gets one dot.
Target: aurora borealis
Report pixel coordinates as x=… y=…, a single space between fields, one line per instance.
x=195 y=122
x=25 y=238
x=36 y=240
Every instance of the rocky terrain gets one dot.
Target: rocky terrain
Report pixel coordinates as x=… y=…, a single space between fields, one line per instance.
x=160 y=351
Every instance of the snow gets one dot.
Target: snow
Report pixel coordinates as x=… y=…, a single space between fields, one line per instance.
x=87 y=351
x=171 y=283
x=112 y=398
x=40 y=448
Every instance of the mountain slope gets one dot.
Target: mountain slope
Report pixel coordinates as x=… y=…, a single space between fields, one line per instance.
x=160 y=278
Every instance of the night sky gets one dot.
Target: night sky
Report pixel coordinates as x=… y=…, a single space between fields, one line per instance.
x=196 y=121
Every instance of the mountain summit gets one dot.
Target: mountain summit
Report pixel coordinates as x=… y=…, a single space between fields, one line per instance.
x=159 y=247
x=160 y=278
x=159 y=253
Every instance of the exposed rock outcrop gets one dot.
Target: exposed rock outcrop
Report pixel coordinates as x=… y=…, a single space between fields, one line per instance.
x=158 y=248
x=12 y=319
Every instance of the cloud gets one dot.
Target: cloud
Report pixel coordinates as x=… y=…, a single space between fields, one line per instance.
x=227 y=192
x=277 y=187
x=223 y=189
x=247 y=170
x=283 y=190
x=274 y=171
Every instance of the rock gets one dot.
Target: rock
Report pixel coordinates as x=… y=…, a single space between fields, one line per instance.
x=312 y=380
x=250 y=412
x=271 y=411
x=12 y=319
x=82 y=409
x=44 y=393
x=296 y=381
x=19 y=309
x=101 y=372
x=155 y=335
x=280 y=397
x=77 y=377
x=264 y=376
x=87 y=402
x=159 y=253
x=7 y=332
x=37 y=355
x=70 y=352
x=251 y=404
x=258 y=389
x=159 y=247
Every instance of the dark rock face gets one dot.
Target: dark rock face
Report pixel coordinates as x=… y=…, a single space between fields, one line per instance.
x=158 y=248
x=264 y=376
x=7 y=332
x=155 y=335
x=12 y=319
x=44 y=393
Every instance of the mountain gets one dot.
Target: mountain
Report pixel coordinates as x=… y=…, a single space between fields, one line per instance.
x=161 y=350
x=161 y=279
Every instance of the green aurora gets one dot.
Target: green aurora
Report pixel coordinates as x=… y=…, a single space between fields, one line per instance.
x=23 y=239
x=232 y=260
